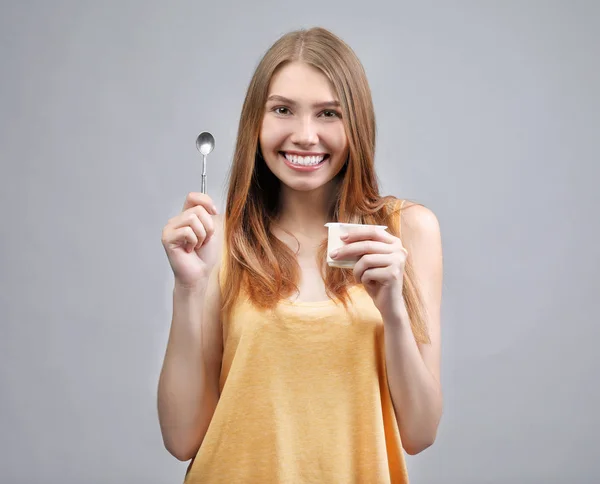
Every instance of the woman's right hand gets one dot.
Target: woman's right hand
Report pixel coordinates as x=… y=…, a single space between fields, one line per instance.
x=189 y=240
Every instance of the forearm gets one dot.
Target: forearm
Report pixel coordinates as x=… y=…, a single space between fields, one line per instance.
x=416 y=394
x=182 y=388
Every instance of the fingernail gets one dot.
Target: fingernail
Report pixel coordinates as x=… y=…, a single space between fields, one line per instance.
x=344 y=237
x=334 y=253
x=214 y=207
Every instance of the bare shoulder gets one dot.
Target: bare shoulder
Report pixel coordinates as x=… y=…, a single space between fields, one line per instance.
x=419 y=224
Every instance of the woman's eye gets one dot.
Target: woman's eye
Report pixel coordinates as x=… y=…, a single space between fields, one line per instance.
x=328 y=113
x=331 y=114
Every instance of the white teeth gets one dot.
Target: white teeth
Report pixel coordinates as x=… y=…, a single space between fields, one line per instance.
x=304 y=160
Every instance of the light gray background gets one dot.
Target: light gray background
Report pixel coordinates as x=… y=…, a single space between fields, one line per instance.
x=487 y=113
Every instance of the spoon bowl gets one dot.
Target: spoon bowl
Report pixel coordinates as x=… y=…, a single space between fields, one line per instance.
x=205 y=143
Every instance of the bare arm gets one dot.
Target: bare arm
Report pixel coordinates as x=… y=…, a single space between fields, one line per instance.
x=188 y=389
x=413 y=369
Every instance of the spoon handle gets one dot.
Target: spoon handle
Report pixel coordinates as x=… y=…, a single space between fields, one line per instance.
x=203 y=186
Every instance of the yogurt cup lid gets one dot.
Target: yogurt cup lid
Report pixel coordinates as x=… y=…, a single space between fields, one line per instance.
x=331 y=224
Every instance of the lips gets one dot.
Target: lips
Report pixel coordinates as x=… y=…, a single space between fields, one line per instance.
x=300 y=153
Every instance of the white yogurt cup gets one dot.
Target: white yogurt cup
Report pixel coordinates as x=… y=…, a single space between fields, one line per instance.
x=336 y=230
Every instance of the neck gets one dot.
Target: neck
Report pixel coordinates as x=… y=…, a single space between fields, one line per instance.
x=306 y=213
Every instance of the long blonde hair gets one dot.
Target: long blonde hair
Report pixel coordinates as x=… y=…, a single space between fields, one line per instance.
x=252 y=252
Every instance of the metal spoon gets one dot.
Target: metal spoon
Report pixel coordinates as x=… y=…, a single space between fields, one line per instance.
x=205 y=143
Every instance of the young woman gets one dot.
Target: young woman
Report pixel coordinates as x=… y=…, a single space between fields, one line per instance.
x=280 y=368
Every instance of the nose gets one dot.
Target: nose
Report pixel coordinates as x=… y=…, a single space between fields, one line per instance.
x=305 y=133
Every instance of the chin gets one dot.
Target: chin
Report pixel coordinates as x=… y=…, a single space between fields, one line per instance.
x=306 y=185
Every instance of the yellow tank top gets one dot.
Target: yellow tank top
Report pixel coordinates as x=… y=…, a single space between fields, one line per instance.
x=304 y=398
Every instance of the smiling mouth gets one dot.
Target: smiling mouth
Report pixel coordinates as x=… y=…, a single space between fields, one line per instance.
x=304 y=160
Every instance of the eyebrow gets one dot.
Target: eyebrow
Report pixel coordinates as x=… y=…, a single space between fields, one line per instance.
x=291 y=102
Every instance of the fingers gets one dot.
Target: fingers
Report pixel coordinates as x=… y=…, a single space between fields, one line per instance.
x=367 y=232
x=358 y=249
x=202 y=224
x=373 y=275
x=377 y=268
x=370 y=262
x=194 y=226
x=191 y=220
x=184 y=237
x=198 y=220
x=194 y=198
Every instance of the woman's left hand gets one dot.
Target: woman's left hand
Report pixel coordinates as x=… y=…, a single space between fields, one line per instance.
x=380 y=267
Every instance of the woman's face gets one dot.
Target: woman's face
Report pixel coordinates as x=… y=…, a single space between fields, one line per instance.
x=302 y=137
